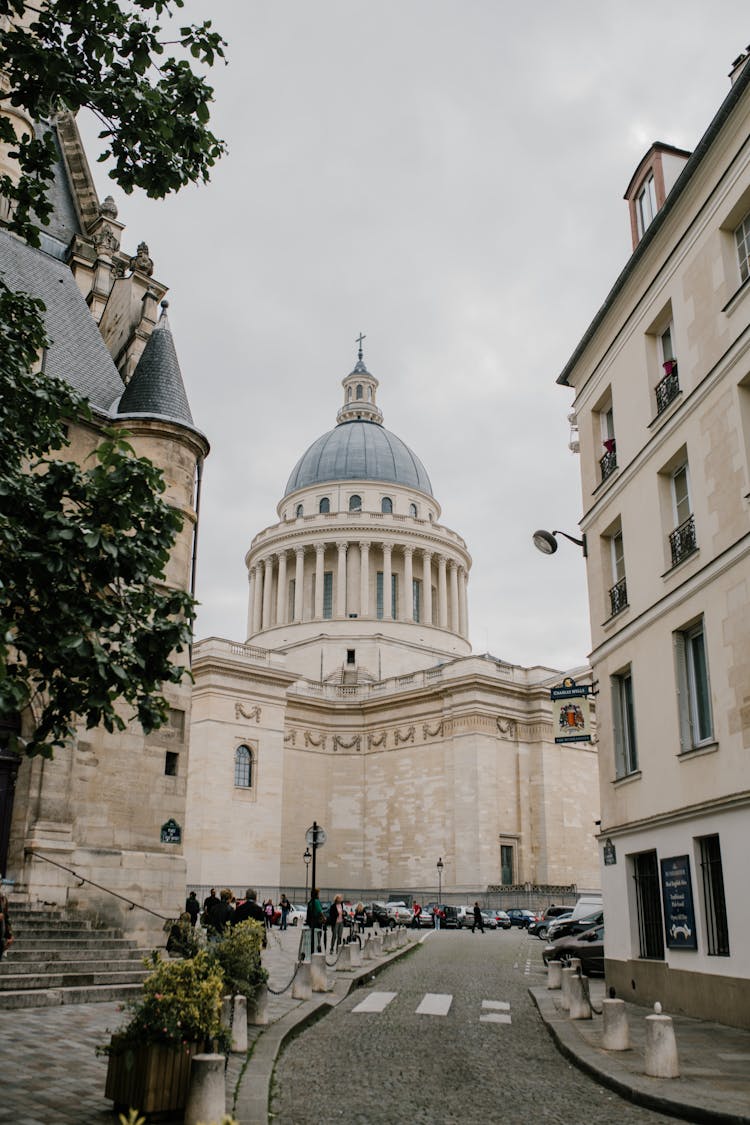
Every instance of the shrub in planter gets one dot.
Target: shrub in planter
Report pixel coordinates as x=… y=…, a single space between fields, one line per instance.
x=238 y=955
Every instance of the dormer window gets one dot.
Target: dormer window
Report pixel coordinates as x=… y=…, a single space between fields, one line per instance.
x=650 y=185
x=645 y=205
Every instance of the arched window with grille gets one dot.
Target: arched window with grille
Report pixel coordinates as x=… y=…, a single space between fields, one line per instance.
x=324 y=506
x=355 y=503
x=386 y=505
x=413 y=511
x=299 y=510
x=243 y=767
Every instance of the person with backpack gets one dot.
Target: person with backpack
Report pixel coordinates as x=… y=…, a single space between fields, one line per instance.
x=315 y=919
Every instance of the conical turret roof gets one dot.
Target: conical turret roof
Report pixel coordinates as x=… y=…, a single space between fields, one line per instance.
x=156 y=386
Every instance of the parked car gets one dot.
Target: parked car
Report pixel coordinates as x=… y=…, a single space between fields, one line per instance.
x=587 y=946
x=502 y=919
x=520 y=917
x=399 y=913
x=570 y=926
x=378 y=912
x=450 y=920
x=464 y=916
x=296 y=916
x=542 y=925
x=488 y=918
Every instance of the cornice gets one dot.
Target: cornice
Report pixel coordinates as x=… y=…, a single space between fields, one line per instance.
x=675 y=816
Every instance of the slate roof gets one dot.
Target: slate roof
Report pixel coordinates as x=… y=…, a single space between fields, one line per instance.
x=156 y=386
x=77 y=352
x=359 y=450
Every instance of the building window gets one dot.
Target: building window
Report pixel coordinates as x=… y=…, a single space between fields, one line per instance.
x=623 y=715
x=386 y=505
x=171 y=760
x=694 y=691
x=413 y=511
x=355 y=503
x=506 y=864
x=607 y=463
x=379 y=596
x=645 y=205
x=243 y=767
x=416 y=599
x=742 y=239
x=668 y=387
x=324 y=506
x=360 y=393
x=682 y=540
x=351 y=656
x=291 y=599
x=648 y=903
x=328 y=594
x=618 y=594
x=299 y=510
x=714 y=903
x=434 y=606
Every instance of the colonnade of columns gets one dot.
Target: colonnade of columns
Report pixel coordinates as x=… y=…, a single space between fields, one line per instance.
x=273 y=601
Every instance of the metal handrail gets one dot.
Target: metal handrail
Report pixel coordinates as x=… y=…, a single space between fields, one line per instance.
x=99 y=887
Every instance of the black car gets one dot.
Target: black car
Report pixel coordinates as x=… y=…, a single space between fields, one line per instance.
x=588 y=947
x=377 y=912
x=519 y=917
x=541 y=926
x=450 y=919
x=569 y=927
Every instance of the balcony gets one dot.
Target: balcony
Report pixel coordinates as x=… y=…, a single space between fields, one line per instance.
x=608 y=463
x=618 y=597
x=682 y=541
x=668 y=388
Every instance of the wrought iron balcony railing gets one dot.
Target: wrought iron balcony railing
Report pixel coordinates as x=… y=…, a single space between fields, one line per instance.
x=608 y=463
x=667 y=390
x=618 y=597
x=682 y=541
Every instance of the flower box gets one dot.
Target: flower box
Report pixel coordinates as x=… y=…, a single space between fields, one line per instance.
x=154 y=1078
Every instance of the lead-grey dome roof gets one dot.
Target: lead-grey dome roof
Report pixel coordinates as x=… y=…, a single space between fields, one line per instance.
x=359 y=450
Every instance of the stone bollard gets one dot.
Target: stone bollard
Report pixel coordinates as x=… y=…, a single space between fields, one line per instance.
x=615 y=1030
x=554 y=977
x=257 y=1007
x=355 y=955
x=236 y=1019
x=318 y=973
x=661 y=1048
x=578 y=991
x=565 y=979
x=367 y=954
x=377 y=945
x=302 y=987
x=403 y=937
x=206 y=1100
x=344 y=959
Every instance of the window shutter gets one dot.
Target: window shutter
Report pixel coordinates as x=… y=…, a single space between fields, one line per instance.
x=617 y=726
x=683 y=694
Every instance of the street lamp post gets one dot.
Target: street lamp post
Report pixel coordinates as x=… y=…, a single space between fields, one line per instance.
x=440 y=866
x=307 y=857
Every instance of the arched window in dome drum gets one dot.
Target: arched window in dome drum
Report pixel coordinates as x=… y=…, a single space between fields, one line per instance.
x=324 y=506
x=348 y=394
x=359 y=391
x=299 y=510
x=355 y=503
x=243 y=767
x=386 y=505
x=413 y=510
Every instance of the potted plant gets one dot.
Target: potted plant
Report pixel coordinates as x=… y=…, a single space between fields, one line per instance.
x=177 y=1016
x=239 y=956
x=670 y=366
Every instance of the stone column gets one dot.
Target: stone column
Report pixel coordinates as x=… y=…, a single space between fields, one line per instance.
x=281 y=591
x=453 y=578
x=250 y=598
x=257 y=596
x=320 y=550
x=387 y=601
x=299 y=583
x=364 y=579
x=267 y=590
x=463 y=607
x=341 y=581
x=427 y=587
x=407 y=609
x=442 y=593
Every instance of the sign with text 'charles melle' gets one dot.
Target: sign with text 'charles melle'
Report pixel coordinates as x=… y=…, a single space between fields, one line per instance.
x=571 y=715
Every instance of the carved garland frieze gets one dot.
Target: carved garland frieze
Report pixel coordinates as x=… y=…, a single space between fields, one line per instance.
x=310 y=740
x=506 y=727
x=432 y=732
x=399 y=736
x=290 y=738
x=240 y=712
x=379 y=739
x=354 y=743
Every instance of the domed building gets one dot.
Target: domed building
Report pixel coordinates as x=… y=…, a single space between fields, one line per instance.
x=356 y=702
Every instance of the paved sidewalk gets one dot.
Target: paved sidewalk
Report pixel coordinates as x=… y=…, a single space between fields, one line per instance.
x=714 y=1082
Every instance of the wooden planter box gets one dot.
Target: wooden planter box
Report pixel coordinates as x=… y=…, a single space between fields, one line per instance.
x=152 y=1079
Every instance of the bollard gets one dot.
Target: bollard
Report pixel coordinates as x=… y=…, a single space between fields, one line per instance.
x=661 y=1048
x=257 y=1007
x=206 y=1100
x=318 y=973
x=236 y=1019
x=344 y=960
x=554 y=971
x=367 y=949
x=355 y=955
x=580 y=1005
x=565 y=979
x=377 y=945
x=302 y=987
x=615 y=1031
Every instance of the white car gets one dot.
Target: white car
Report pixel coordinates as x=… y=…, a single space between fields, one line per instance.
x=400 y=913
x=296 y=916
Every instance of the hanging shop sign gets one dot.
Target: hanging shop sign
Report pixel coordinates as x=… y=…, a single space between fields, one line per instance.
x=677 y=895
x=571 y=711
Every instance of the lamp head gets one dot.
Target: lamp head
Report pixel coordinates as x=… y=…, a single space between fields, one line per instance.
x=545 y=542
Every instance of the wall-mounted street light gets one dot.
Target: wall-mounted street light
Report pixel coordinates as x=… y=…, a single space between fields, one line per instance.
x=307 y=857
x=545 y=541
x=440 y=865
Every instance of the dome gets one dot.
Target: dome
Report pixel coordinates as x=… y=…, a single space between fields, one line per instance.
x=359 y=450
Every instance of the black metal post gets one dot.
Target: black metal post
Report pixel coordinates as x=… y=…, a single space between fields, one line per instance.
x=314 y=855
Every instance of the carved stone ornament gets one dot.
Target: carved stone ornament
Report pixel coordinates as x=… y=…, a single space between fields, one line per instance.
x=311 y=740
x=399 y=736
x=354 y=743
x=290 y=738
x=380 y=739
x=241 y=713
x=142 y=262
x=108 y=207
x=105 y=241
x=432 y=732
x=506 y=727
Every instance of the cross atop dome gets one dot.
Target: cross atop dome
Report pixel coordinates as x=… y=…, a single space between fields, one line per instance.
x=360 y=388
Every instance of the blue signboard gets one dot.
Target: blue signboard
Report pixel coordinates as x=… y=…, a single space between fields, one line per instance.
x=677 y=894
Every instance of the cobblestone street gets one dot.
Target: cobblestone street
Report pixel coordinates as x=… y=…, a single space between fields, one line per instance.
x=470 y=1065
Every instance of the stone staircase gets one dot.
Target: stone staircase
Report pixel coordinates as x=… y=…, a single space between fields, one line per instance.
x=59 y=959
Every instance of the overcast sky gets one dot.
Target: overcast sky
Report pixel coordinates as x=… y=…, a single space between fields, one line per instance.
x=447 y=178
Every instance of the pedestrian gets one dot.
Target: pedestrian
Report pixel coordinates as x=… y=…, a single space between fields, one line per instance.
x=180 y=942
x=6 y=931
x=478 y=920
x=209 y=902
x=336 y=922
x=437 y=916
x=192 y=907
x=268 y=911
x=360 y=917
x=220 y=915
x=315 y=919
x=284 y=906
x=415 y=923
x=249 y=909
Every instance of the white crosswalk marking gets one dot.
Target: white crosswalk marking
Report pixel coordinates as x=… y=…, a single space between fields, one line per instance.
x=495 y=1017
x=501 y=1005
x=435 y=1004
x=496 y=1011
x=375 y=1002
